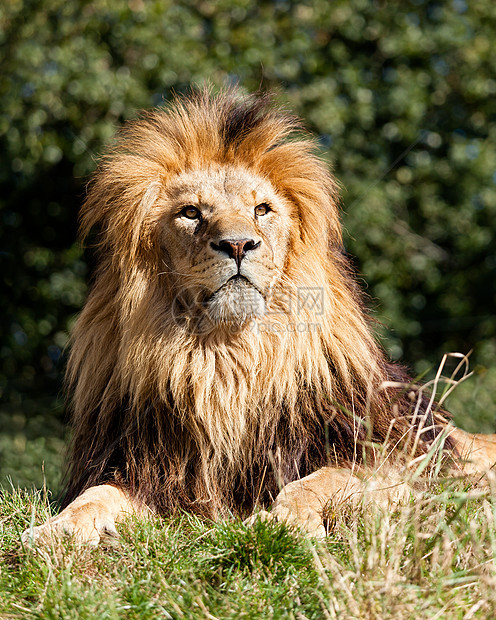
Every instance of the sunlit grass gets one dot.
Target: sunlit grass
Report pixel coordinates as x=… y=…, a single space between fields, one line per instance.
x=433 y=557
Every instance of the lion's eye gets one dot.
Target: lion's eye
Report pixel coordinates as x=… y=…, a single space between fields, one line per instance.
x=262 y=209
x=190 y=212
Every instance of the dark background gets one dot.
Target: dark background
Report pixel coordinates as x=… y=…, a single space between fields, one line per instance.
x=403 y=99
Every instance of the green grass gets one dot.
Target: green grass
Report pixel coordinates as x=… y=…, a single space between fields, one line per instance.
x=434 y=558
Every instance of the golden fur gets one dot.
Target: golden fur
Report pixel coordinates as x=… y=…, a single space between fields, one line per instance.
x=183 y=396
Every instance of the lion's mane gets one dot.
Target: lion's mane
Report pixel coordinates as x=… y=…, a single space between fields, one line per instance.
x=216 y=422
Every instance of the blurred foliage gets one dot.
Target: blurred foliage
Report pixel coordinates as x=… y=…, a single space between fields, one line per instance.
x=401 y=95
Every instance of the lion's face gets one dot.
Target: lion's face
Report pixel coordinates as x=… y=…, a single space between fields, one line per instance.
x=225 y=239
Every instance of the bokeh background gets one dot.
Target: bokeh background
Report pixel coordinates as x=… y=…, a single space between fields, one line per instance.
x=402 y=97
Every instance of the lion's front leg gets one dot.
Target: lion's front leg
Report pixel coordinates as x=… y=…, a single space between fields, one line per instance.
x=303 y=502
x=477 y=452
x=88 y=518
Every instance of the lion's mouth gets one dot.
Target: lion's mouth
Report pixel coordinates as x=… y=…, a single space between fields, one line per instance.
x=236 y=301
x=237 y=281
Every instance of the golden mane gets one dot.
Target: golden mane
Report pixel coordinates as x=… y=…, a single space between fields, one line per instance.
x=214 y=421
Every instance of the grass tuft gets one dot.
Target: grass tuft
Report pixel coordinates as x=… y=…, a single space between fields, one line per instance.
x=433 y=557
x=271 y=549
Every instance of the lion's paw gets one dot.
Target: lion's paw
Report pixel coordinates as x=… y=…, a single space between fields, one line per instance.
x=311 y=522
x=84 y=528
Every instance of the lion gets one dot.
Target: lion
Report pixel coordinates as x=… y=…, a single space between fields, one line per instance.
x=224 y=360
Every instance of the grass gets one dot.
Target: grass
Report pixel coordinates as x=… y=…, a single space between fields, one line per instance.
x=433 y=558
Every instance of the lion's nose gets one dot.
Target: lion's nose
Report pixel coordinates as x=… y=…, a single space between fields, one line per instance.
x=235 y=248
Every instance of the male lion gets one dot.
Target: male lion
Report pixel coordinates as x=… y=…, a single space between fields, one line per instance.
x=224 y=353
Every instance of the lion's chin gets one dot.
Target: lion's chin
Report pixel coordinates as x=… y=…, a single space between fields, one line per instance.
x=236 y=303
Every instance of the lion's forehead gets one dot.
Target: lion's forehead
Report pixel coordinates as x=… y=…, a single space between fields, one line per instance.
x=220 y=185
